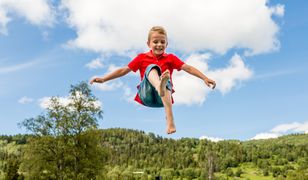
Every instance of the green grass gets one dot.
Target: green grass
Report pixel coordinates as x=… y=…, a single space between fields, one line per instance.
x=253 y=173
x=250 y=172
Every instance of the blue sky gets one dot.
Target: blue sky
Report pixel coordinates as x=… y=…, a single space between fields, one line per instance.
x=256 y=50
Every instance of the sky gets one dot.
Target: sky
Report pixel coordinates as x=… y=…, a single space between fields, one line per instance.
x=255 y=50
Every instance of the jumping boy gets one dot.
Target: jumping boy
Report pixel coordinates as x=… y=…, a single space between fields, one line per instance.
x=156 y=67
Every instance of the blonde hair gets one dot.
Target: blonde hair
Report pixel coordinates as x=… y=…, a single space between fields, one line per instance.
x=158 y=29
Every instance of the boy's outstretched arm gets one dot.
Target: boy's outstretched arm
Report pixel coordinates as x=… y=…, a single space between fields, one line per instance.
x=113 y=75
x=194 y=71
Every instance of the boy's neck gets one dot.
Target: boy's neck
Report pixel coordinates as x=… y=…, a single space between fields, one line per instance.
x=158 y=55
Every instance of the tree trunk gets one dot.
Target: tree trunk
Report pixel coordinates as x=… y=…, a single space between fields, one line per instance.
x=211 y=166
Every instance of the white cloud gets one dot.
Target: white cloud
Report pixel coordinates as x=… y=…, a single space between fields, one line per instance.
x=37 y=12
x=278 y=10
x=192 y=90
x=109 y=86
x=95 y=64
x=25 y=100
x=216 y=25
x=117 y=84
x=3 y=20
x=227 y=78
x=294 y=127
x=129 y=96
x=213 y=139
x=112 y=68
x=265 y=136
x=45 y=102
x=189 y=89
x=282 y=129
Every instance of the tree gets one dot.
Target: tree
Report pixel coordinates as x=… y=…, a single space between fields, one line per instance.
x=67 y=116
x=207 y=159
x=66 y=145
x=11 y=170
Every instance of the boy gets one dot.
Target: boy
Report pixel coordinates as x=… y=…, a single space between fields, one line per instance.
x=156 y=67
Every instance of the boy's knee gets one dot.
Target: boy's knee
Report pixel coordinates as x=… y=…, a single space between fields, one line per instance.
x=154 y=70
x=154 y=67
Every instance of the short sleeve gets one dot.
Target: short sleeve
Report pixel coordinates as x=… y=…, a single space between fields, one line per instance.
x=135 y=63
x=177 y=63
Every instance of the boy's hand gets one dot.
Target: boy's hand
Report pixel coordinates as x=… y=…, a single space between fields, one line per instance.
x=97 y=80
x=210 y=82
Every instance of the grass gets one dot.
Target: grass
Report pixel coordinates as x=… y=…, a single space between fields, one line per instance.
x=253 y=173
x=250 y=172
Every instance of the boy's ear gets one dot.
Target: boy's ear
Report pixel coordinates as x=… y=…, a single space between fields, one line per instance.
x=148 y=43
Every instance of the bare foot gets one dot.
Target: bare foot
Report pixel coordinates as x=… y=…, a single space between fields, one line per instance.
x=164 y=79
x=170 y=126
x=171 y=130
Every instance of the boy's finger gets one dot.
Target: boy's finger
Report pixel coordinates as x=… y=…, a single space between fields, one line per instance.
x=214 y=85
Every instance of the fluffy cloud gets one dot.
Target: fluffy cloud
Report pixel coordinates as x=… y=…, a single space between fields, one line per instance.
x=191 y=90
x=121 y=26
x=38 y=12
x=213 y=139
x=278 y=10
x=214 y=25
x=25 y=100
x=265 y=136
x=295 y=127
x=45 y=102
x=3 y=20
x=95 y=64
x=282 y=129
x=227 y=78
x=128 y=94
x=109 y=86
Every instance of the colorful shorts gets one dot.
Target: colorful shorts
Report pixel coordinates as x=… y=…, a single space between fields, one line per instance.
x=147 y=93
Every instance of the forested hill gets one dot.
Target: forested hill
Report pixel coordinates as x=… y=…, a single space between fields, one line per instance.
x=293 y=139
x=135 y=154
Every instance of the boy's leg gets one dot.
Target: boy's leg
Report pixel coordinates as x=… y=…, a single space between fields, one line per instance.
x=159 y=82
x=167 y=101
x=160 y=85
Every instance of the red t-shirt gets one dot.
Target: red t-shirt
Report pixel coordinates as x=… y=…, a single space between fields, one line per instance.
x=165 y=61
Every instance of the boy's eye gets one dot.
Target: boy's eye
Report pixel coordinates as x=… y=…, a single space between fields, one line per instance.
x=156 y=42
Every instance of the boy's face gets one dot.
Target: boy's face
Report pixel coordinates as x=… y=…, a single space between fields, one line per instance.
x=158 y=43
